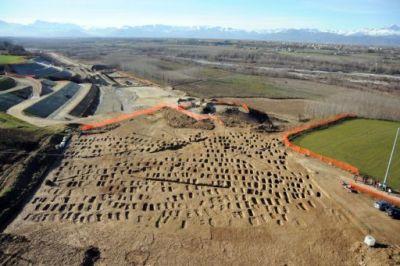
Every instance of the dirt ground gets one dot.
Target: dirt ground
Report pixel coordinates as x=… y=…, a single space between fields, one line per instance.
x=146 y=193
x=176 y=119
x=129 y=99
x=287 y=109
x=18 y=110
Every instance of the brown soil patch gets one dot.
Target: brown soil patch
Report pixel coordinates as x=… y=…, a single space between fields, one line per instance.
x=256 y=120
x=19 y=250
x=179 y=120
x=287 y=109
x=148 y=193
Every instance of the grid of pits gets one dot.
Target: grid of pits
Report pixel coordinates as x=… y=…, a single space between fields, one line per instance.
x=208 y=178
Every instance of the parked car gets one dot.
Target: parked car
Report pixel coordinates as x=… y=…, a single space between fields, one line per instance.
x=393 y=212
x=382 y=205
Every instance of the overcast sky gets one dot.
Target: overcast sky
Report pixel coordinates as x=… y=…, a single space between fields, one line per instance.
x=243 y=14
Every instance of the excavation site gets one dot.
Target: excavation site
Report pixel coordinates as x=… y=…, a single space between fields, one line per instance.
x=101 y=166
x=165 y=187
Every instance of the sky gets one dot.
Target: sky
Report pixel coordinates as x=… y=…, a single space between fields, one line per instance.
x=241 y=14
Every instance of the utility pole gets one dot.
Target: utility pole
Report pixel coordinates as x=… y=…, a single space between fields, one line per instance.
x=391 y=157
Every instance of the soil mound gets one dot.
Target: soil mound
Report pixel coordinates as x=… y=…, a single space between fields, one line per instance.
x=233 y=117
x=178 y=120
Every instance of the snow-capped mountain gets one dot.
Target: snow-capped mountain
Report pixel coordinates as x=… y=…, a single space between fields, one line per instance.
x=41 y=29
x=382 y=36
x=392 y=30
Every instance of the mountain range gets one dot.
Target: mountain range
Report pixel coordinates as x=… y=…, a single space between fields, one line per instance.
x=389 y=36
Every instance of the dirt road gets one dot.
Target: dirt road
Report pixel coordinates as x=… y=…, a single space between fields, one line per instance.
x=358 y=208
x=23 y=83
x=18 y=110
x=63 y=59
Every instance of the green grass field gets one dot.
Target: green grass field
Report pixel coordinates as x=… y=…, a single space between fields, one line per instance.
x=243 y=85
x=11 y=59
x=363 y=143
x=221 y=83
x=8 y=121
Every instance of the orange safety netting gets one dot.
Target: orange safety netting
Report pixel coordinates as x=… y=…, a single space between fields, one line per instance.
x=377 y=194
x=181 y=108
x=148 y=111
x=298 y=130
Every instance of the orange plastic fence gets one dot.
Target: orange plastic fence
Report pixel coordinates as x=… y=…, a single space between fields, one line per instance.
x=181 y=108
x=198 y=117
x=298 y=130
x=377 y=194
x=148 y=111
x=186 y=105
